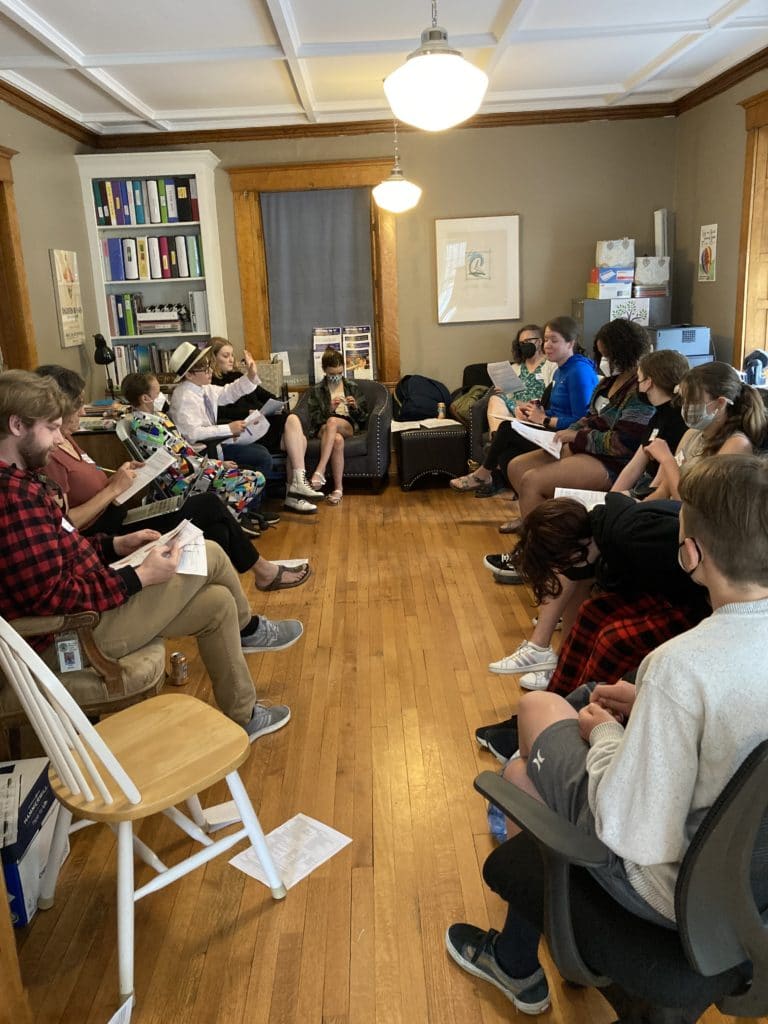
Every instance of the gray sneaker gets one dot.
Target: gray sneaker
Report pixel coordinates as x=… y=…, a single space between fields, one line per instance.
x=267 y=718
x=472 y=949
x=272 y=636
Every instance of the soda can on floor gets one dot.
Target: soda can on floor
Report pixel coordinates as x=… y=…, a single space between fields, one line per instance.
x=179 y=674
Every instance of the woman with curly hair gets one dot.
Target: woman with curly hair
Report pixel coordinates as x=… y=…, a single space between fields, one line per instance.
x=596 y=447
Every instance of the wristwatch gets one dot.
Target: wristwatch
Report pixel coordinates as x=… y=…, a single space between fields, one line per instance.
x=546 y=422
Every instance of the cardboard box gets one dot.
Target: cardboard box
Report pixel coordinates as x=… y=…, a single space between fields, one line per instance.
x=611 y=275
x=617 y=252
x=652 y=270
x=610 y=291
x=24 y=860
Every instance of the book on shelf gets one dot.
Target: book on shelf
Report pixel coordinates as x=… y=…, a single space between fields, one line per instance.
x=110 y=202
x=181 y=255
x=193 y=256
x=193 y=199
x=165 y=263
x=112 y=315
x=155 y=267
x=170 y=199
x=145 y=200
x=138 y=202
x=162 y=200
x=142 y=257
x=130 y=259
x=116 y=265
x=131 y=203
x=183 y=199
x=154 y=201
x=101 y=213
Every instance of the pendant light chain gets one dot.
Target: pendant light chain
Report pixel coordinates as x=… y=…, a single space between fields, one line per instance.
x=397 y=150
x=434 y=13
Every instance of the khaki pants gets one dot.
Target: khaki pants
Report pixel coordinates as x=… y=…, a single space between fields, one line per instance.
x=212 y=608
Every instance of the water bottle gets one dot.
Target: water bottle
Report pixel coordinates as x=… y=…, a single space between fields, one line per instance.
x=441 y=410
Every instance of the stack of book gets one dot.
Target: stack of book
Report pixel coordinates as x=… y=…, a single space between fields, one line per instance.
x=152 y=257
x=145 y=201
x=123 y=311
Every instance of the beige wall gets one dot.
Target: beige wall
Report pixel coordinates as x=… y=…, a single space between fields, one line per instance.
x=571 y=185
x=710 y=175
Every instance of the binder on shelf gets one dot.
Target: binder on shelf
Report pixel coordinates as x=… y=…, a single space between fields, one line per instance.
x=193 y=256
x=162 y=200
x=183 y=199
x=130 y=323
x=155 y=267
x=165 y=263
x=101 y=217
x=130 y=259
x=154 y=201
x=131 y=202
x=121 y=328
x=122 y=191
x=106 y=268
x=121 y=363
x=170 y=198
x=174 y=261
x=193 y=198
x=110 y=202
x=112 y=315
x=198 y=308
x=116 y=265
x=142 y=257
x=138 y=202
x=145 y=200
x=181 y=255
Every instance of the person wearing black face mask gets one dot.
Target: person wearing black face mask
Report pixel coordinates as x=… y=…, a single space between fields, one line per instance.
x=535 y=372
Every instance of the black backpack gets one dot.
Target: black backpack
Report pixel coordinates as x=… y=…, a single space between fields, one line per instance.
x=417 y=397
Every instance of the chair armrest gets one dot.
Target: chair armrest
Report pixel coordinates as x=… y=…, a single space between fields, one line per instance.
x=561 y=845
x=81 y=623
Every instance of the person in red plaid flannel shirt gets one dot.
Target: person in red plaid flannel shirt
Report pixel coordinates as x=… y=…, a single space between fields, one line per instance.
x=48 y=568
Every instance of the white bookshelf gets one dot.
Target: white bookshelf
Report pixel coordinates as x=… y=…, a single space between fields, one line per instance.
x=199 y=165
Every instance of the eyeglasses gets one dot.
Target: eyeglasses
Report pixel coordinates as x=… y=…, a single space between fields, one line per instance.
x=202 y=368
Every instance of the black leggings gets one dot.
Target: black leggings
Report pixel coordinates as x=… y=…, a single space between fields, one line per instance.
x=207 y=511
x=506 y=445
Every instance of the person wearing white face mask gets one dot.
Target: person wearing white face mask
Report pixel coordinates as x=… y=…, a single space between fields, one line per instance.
x=337 y=409
x=724 y=416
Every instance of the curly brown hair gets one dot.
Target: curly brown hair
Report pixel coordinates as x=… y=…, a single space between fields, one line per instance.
x=553 y=537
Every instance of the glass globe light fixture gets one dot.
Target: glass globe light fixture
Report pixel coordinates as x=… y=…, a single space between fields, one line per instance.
x=396 y=194
x=436 y=88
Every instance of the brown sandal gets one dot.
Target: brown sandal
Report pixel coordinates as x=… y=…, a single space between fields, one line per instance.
x=277 y=583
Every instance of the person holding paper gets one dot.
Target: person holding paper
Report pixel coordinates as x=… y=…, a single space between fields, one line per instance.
x=224 y=372
x=48 y=568
x=239 y=488
x=573 y=380
x=89 y=499
x=531 y=366
x=598 y=445
x=195 y=403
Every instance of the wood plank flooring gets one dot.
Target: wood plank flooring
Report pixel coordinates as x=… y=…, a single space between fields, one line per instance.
x=386 y=688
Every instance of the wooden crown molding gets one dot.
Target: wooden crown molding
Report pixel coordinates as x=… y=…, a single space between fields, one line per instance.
x=168 y=140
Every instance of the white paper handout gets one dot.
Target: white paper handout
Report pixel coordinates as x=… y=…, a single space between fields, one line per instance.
x=193 y=561
x=504 y=377
x=157 y=463
x=256 y=426
x=587 y=498
x=271 y=407
x=298 y=846
x=123 y=1015
x=398 y=426
x=543 y=438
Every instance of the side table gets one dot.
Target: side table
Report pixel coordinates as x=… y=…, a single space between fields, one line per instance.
x=431 y=451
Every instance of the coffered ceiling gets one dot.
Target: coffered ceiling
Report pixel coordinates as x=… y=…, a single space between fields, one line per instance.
x=114 y=67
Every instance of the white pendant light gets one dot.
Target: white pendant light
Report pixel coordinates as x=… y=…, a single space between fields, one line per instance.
x=436 y=88
x=396 y=193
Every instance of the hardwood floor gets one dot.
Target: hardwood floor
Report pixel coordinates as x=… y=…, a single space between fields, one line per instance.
x=386 y=688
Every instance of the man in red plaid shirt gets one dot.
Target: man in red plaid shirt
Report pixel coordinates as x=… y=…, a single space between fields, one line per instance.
x=48 y=568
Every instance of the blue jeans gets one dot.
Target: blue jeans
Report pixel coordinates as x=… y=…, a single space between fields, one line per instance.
x=248 y=456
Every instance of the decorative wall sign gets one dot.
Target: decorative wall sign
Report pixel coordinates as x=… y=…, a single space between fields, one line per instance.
x=69 y=306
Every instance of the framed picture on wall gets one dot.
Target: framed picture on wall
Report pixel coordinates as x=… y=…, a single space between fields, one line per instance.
x=66 y=291
x=478 y=269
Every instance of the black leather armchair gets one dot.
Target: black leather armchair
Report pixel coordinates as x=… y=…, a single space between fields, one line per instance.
x=366 y=455
x=648 y=973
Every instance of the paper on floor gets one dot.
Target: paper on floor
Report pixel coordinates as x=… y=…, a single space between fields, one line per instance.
x=298 y=846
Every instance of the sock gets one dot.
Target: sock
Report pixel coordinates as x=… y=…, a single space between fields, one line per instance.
x=250 y=627
x=517 y=947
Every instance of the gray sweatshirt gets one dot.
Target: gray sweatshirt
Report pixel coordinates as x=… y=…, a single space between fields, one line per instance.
x=701 y=707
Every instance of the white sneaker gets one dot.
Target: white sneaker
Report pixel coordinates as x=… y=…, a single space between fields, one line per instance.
x=300 y=505
x=526 y=656
x=299 y=487
x=536 y=680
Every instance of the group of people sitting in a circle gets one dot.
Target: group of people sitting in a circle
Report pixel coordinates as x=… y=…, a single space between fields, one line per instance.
x=661 y=593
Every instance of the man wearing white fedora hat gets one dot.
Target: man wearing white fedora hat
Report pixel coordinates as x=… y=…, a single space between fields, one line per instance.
x=195 y=402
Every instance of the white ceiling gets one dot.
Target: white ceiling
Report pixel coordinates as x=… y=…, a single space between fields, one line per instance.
x=182 y=65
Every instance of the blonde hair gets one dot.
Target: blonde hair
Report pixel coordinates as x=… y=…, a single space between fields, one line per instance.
x=745 y=411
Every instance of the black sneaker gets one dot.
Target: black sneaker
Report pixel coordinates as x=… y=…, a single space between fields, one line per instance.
x=501 y=739
x=266 y=519
x=473 y=950
x=249 y=526
x=501 y=565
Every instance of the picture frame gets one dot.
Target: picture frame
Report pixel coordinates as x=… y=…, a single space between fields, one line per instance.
x=478 y=269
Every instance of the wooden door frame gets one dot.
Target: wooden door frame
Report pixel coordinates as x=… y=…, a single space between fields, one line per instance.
x=247 y=184
x=17 y=336
x=756 y=117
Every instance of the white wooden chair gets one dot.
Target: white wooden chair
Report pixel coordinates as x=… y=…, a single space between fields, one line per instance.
x=140 y=761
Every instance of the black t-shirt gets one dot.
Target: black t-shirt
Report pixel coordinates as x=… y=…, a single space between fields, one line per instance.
x=668 y=422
